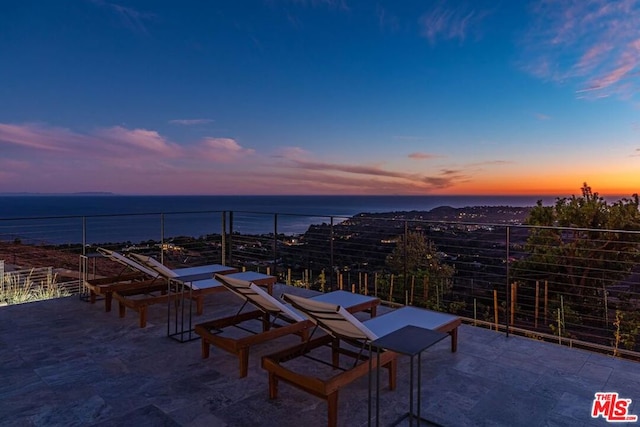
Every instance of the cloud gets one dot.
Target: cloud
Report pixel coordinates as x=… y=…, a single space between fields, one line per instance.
x=293 y=153
x=130 y=18
x=333 y=4
x=190 y=122
x=223 y=149
x=422 y=156
x=446 y=22
x=383 y=177
x=407 y=138
x=593 y=46
x=491 y=163
x=39 y=157
x=386 y=20
x=38 y=136
x=137 y=140
x=541 y=116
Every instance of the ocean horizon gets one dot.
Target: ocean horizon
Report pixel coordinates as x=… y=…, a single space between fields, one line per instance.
x=77 y=218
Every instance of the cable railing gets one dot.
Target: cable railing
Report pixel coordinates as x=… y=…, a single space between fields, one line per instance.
x=578 y=287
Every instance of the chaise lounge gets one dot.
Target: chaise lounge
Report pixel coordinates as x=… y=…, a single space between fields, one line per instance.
x=165 y=287
x=131 y=277
x=277 y=319
x=342 y=326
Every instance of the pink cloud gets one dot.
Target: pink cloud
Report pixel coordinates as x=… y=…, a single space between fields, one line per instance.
x=541 y=116
x=143 y=161
x=450 y=23
x=223 y=149
x=593 y=45
x=422 y=156
x=119 y=139
x=37 y=136
x=130 y=17
x=190 y=122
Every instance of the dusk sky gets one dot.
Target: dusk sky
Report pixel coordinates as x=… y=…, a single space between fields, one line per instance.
x=320 y=96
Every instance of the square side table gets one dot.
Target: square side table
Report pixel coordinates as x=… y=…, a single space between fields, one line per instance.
x=410 y=341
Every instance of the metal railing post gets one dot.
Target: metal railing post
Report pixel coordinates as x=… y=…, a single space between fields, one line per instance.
x=230 y=236
x=507 y=301
x=161 y=238
x=84 y=235
x=275 y=245
x=405 y=252
x=331 y=260
x=223 y=235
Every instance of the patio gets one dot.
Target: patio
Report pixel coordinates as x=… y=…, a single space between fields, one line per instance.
x=68 y=363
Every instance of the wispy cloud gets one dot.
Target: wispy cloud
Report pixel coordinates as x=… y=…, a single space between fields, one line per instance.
x=592 y=45
x=38 y=136
x=131 y=18
x=422 y=156
x=492 y=163
x=190 y=122
x=38 y=157
x=338 y=4
x=407 y=138
x=223 y=149
x=541 y=116
x=384 y=178
x=451 y=21
x=387 y=20
x=139 y=141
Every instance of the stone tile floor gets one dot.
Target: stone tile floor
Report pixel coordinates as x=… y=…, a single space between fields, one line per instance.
x=68 y=363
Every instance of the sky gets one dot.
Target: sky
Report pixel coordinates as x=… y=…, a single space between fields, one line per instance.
x=386 y=97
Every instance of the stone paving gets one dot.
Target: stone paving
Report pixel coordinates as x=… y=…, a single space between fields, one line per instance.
x=68 y=363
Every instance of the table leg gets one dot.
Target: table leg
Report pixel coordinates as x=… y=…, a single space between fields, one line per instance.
x=419 y=384
x=411 y=393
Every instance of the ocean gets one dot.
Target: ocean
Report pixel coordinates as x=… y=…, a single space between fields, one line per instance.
x=62 y=219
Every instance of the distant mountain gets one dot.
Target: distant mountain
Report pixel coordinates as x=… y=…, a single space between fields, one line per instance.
x=80 y=193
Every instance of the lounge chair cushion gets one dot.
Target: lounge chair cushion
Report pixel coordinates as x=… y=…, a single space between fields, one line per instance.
x=390 y=322
x=153 y=263
x=332 y=318
x=258 y=297
x=128 y=262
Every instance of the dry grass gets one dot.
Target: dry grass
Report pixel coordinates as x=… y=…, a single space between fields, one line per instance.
x=15 y=289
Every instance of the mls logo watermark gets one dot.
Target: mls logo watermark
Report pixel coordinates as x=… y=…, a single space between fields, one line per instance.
x=612 y=408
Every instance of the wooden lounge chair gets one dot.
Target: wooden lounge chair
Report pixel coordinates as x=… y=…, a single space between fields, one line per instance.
x=343 y=326
x=277 y=319
x=170 y=286
x=132 y=276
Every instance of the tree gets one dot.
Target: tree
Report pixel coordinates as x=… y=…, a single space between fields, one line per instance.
x=581 y=245
x=419 y=256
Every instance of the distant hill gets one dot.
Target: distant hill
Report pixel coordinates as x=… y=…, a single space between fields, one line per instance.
x=81 y=193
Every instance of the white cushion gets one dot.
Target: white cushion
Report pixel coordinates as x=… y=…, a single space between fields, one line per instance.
x=115 y=256
x=333 y=318
x=250 y=291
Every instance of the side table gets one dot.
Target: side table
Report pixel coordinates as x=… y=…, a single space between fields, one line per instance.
x=410 y=341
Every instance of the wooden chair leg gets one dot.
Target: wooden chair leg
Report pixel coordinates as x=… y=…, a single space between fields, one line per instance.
x=454 y=340
x=122 y=309
x=273 y=386
x=205 y=348
x=243 y=356
x=332 y=409
x=335 y=353
x=199 y=305
x=143 y=316
x=92 y=297
x=108 y=298
x=392 y=367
